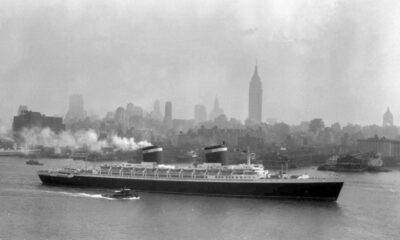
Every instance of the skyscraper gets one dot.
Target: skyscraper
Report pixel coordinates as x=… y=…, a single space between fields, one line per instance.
x=168 y=114
x=129 y=111
x=387 y=118
x=119 y=116
x=156 y=114
x=156 y=106
x=76 y=111
x=255 y=98
x=200 y=113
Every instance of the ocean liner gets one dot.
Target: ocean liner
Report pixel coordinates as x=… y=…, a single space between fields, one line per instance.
x=213 y=178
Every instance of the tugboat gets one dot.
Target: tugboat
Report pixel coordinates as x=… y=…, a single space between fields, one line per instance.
x=34 y=162
x=123 y=193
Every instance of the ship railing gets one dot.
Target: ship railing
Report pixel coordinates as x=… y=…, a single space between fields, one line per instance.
x=204 y=177
x=195 y=174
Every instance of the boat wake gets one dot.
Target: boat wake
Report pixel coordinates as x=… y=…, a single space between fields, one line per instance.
x=35 y=193
x=98 y=196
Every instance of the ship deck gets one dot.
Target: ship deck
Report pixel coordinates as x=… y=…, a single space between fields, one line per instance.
x=194 y=178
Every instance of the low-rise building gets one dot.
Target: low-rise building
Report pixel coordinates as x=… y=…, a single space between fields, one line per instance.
x=388 y=148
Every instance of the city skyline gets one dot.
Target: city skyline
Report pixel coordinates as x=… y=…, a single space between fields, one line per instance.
x=333 y=60
x=199 y=115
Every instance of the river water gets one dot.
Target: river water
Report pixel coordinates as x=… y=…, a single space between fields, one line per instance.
x=368 y=208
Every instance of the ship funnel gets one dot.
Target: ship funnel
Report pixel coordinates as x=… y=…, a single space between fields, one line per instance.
x=216 y=154
x=152 y=154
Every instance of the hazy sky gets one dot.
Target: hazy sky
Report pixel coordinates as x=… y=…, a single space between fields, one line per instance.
x=337 y=60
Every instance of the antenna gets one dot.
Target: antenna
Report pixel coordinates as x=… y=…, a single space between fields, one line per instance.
x=248 y=156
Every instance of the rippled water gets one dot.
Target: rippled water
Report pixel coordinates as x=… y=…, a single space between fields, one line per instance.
x=368 y=208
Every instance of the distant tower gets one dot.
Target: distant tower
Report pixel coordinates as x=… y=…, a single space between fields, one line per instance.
x=217 y=111
x=168 y=114
x=119 y=116
x=387 y=118
x=156 y=107
x=76 y=111
x=200 y=113
x=22 y=109
x=129 y=110
x=255 y=98
x=129 y=114
x=156 y=114
x=137 y=111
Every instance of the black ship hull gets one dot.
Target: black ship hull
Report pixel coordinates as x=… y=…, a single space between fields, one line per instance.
x=282 y=189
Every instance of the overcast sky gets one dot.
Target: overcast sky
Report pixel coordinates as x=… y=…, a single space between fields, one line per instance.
x=337 y=60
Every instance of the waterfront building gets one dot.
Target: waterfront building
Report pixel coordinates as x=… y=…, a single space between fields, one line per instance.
x=388 y=148
x=28 y=119
x=255 y=98
x=233 y=138
x=253 y=143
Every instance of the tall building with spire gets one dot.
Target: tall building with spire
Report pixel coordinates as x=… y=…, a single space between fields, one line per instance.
x=217 y=111
x=387 y=118
x=255 y=98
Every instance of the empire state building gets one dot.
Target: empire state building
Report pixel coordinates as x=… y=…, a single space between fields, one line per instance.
x=255 y=98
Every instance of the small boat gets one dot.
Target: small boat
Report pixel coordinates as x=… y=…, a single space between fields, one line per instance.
x=122 y=194
x=34 y=162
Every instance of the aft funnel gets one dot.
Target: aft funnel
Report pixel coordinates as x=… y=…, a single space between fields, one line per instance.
x=216 y=154
x=152 y=154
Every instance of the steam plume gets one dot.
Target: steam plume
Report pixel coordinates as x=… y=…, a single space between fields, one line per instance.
x=82 y=139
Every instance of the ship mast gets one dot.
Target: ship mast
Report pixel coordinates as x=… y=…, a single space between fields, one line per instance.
x=248 y=156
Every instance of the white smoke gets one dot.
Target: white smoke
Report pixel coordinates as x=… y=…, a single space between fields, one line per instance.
x=128 y=143
x=76 y=140
x=5 y=131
